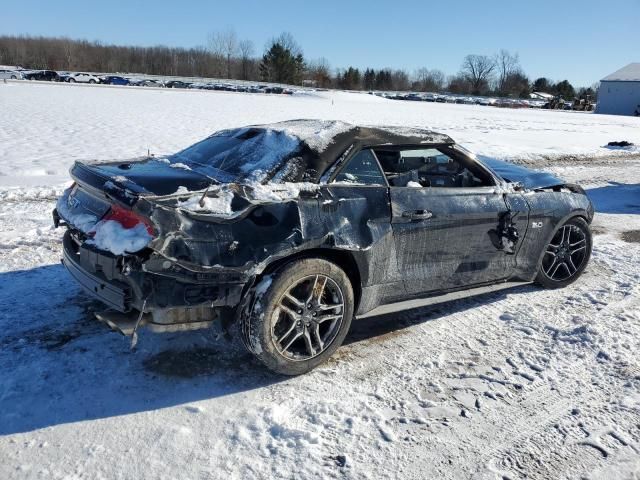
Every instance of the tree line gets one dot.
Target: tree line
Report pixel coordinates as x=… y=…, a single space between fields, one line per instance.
x=225 y=55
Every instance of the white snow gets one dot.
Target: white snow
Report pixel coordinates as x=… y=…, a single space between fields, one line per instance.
x=280 y=191
x=217 y=202
x=82 y=221
x=165 y=121
x=180 y=165
x=525 y=383
x=317 y=134
x=113 y=237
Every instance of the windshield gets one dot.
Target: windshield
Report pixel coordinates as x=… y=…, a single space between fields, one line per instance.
x=245 y=154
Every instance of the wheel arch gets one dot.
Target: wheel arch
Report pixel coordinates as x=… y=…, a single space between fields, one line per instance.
x=570 y=216
x=344 y=259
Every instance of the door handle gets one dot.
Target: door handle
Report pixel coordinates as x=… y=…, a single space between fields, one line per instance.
x=417 y=214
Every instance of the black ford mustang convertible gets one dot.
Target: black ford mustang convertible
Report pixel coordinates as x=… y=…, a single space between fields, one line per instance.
x=293 y=229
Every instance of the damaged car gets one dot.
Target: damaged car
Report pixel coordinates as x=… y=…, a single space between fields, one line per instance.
x=291 y=230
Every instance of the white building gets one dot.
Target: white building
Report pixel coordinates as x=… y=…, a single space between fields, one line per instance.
x=619 y=93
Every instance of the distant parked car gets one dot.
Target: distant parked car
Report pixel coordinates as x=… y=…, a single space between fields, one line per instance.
x=81 y=77
x=114 y=80
x=44 y=75
x=274 y=90
x=177 y=84
x=10 y=74
x=147 y=83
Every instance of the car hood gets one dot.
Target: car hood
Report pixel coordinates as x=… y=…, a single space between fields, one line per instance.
x=531 y=179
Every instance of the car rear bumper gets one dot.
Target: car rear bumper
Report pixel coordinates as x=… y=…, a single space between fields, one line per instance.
x=101 y=275
x=112 y=293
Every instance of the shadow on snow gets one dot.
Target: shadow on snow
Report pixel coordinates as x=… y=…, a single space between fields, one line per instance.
x=616 y=198
x=59 y=365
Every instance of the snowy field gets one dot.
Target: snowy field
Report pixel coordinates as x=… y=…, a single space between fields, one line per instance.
x=518 y=384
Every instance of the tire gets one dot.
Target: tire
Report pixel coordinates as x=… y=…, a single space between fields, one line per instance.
x=13 y=77
x=559 y=266
x=92 y=81
x=71 y=80
x=283 y=332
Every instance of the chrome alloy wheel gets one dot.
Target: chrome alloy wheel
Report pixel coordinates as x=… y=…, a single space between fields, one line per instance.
x=307 y=317
x=565 y=254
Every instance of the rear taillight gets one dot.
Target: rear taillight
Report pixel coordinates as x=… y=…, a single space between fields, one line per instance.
x=128 y=218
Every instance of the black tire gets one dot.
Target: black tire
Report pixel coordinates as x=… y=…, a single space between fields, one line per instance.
x=71 y=80
x=579 y=240
x=268 y=317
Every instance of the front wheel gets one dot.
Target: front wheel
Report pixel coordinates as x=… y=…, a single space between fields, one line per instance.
x=300 y=316
x=567 y=255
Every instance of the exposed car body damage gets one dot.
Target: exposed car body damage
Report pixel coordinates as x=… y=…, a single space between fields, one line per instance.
x=213 y=232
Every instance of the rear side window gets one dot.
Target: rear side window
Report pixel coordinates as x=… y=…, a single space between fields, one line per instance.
x=362 y=169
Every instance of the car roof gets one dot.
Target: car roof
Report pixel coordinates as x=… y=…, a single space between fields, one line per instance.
x=325 y=141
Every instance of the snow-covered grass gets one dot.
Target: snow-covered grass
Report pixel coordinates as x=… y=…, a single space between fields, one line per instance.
x=50 y=126
x=525 y=383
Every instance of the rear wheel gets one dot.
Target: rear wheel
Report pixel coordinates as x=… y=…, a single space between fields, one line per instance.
x=567 y=255
x=71 y=80
x=92 y=81
x=300 y=316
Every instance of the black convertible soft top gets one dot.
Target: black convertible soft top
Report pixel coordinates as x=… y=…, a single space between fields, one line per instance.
x=324 y=141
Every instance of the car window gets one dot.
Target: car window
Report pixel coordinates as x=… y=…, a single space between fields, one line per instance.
x=361 y=169
x=430 y=167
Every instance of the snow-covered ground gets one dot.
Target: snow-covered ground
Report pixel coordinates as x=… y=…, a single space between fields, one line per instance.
x=525 y=383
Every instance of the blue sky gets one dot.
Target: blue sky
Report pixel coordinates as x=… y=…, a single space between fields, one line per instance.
x=581 y=41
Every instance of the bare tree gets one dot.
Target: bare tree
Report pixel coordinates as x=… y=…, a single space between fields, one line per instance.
x=429 y=80
x=224 y=45
x=320 y=71
x=478 y=69
x=400 y=80
x=247 y=51
x=507 y=65
x=287 y=41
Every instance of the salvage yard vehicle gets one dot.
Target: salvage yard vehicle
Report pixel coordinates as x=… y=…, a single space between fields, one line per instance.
x=291 y=230
x=82 y=77
x=114 y=80
x=41 y=75
x=6 y=73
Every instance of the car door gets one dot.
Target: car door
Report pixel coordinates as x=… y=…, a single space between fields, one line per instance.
x=448 y=234
x=357 y=217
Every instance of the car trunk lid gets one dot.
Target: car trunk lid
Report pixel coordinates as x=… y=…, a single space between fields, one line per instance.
x=138 y=178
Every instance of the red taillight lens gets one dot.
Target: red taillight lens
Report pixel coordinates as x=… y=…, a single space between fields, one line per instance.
x=128 y=218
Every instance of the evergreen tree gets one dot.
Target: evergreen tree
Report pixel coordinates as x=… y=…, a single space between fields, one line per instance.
x=350 y=79
x=542 y=85
x=565 y=90
x=280 y=65
x=369 y=79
